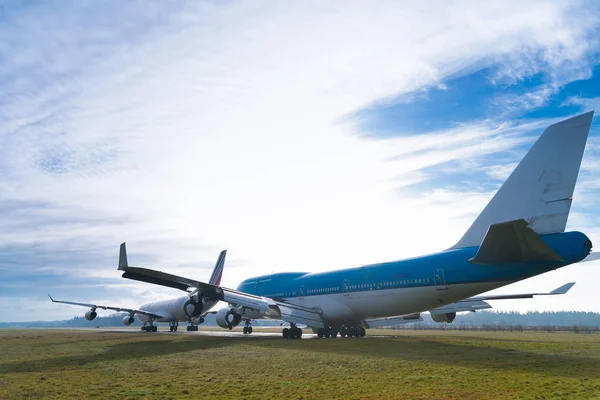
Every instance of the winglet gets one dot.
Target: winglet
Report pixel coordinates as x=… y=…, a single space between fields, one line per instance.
x=563 y=289
x=54 y=301
x=123 y=257
x=215 y=278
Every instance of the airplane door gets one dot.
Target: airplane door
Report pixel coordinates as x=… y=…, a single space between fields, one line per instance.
x=346 y=287
x=439 y=279
x=301 y=298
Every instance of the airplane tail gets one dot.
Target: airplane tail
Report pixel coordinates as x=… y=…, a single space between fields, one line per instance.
x=215 y=278
x=540 y=189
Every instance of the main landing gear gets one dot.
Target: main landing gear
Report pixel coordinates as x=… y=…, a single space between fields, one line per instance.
x=356 y=331
x=149 y=327
x=194 y=322
x=327 y=333
x=293 y=332
x=247 y=328
x=344 y=331
x=173 y=326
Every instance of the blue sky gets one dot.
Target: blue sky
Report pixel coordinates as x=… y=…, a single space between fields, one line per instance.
x=301 y=137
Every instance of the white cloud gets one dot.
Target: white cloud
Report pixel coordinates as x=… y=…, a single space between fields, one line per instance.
x=188 y=129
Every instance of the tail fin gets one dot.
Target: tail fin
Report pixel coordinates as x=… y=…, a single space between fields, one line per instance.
x=540 y=189
x=215 y=278
x=123 y=257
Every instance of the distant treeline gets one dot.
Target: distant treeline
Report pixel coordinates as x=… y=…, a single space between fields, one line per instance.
x=496 y=320
x=533 y=318
x=110 y=320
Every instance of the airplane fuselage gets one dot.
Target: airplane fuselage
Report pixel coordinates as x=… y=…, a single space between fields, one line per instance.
x=407 y=286
x=174 y=309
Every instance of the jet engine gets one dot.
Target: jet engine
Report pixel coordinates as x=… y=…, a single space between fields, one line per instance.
x=447 y=317
x=227 y=318
x=193 y=307
x=90 y=315
x=127 y=320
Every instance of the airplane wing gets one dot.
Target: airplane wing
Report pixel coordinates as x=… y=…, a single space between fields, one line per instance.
x=119 y=309
x=270 y=308
x=480 y=302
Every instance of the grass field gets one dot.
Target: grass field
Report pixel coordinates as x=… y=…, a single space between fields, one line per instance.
x=401 y=364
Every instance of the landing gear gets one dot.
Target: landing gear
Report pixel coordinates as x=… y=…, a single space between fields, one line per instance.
x=192 y=328
x=173 y=326
x=293 y=332
x=247 y=329
x=149 y=327
x=356 y=331
x=329 y=332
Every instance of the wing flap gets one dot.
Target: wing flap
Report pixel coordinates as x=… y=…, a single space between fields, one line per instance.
x=390 y=321
x=512 y=242
x=474 y=305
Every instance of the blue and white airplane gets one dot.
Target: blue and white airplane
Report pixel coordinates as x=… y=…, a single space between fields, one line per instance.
x=519 y=234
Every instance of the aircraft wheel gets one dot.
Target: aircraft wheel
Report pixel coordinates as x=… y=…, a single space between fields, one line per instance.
x=171 y=328
x=245 y=330
x=298 y=333
x=285 y=333
x=154 y=328
x=362 y=332
x=320 y=333
x=249 y=330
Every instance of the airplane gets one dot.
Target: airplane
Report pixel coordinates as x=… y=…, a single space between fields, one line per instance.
x=191 y=308
x=518 y=235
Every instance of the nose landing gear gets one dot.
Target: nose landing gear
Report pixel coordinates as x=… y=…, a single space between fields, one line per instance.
x=247 y=328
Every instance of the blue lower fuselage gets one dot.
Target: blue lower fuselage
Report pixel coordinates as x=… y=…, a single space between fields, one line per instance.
x=408 y=286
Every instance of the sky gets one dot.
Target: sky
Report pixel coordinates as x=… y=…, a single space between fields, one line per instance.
x=301 y=136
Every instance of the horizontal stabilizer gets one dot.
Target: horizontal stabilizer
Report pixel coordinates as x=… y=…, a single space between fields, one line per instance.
x=513 y=242
x=592 y=257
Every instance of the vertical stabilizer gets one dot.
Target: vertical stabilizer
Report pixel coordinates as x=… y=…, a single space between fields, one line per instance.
x=215 y=278
x=540 y=189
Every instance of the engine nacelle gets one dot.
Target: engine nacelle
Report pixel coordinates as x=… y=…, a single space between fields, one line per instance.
x=127 y=320
x=90 y=315
x=447 y=317
x=192 y=308
x=228 y=319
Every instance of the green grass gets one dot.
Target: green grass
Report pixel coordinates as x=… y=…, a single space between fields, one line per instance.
x=403 y=364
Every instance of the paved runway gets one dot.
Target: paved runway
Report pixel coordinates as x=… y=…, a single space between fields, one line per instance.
x=307 y=333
